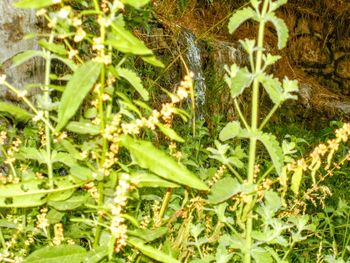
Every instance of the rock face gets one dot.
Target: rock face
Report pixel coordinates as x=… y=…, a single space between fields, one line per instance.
x=14 y=25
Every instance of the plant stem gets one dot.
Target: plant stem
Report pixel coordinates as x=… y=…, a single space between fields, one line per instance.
x=241 y=116
x=254 y=125
x=268 y=117
x=47 y=113
x=165 y=203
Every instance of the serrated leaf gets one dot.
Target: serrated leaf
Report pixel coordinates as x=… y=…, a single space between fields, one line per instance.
x=35 y=3
x=145 y=179
x=151 y=251
x=281 y=28
x=25 y=56
x=18 y=113
x=276 y=4
x=135 y=3
x=77 y=88
x=64 y=158
x=238 y=81
x=134 y=80
x=149 y=157
x=57 y=254
x=82 y=127
x=248 y=45
x=224 y=189
x=230 y=131
x=82 y=173
x=274 y=149
x=296 y=179
x=124 y=41
x=271 y=59
x=273 y=88
x=170 y=133
x=32 y=154
x=240 y=17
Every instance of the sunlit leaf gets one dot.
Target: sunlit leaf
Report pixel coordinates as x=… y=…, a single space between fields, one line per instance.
x=135 y=3
x=25 y=56
x=35 y=3
x=57 y=254
x=224 y=189
x=82 y=127
x=151 y=252
x=240 y=17
x=124 y=41
x=273 y=88
x=153 y=61
x=276 y=4
x=238 y=79
x=134 y=80
x=170 y=133
x=149 y=157
x=146 y=179
x=68 y=204
x=55 y=48
x=148 y=235
x=75 y=92
x=17 y=112
x=296 y=179
x=281 y=28
x=230 y=131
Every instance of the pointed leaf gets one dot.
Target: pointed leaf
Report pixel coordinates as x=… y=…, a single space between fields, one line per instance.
x=68 y=204
x=75 y=92
x=148 y=156
x=145 y=179
x=238 y=80
x=273 y=87
x=124 y=41
x=55 y=48
x=224 y=189
x=151 y=252
x=149 y=235
x=17 y=112
x=240 y=17
x=281 y=28
x=296 y=179
x=134 y=80
x=274 y=149
x=57 y=254
x=36 y=3
x=230 y=131
x=135 y=3
x=25 y=56
x=170 y=133
x=276 y=4
x=82 y=127
x=153 y=61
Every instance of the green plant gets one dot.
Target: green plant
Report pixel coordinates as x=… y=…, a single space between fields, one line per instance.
x=79 y=185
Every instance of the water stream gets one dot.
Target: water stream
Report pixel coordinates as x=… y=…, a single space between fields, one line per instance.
x=194 y=60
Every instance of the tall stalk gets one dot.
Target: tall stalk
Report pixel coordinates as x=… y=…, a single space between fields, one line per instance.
x=254 y=128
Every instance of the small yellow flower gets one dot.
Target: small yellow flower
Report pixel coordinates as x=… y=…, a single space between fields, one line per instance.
x=80 y=35
x=2 y=79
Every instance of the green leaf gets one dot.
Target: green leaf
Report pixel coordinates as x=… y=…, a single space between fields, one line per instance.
x=77 y=88
x=149 y=235
x=238 y=79
x=273 y=87
x=224 y=189
x=35 y=3
x=82 y=127
x=240 y=17
x=151 y=251
x=296 y=179
x=95 y=255
x=274 y=149
x=25 y=56
x=70 y=63
x=82 y=173
x=33 y=193
x=64 y=158
x=55 y=48
x=170 y=133
x=270 y=59
x=57 y=254
x=145 y=179
x=261 y=255
x=68 y=204
x=124 y=41
x=281 y=28
x=149 y=157
x=33 y=154
x=276 y=4
x=18 y=113
x=153 y=61
x=134 y=80
x=230 y=131
x=135 y=3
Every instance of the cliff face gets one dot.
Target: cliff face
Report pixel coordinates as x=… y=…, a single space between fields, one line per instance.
x=318 y=51
x=14 y=25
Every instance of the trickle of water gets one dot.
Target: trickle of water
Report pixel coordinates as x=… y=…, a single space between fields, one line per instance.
x=193 y=55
